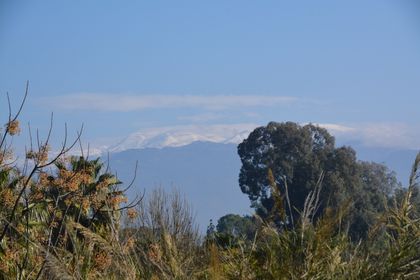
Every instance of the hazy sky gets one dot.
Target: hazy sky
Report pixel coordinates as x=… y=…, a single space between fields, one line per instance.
x=123 y=66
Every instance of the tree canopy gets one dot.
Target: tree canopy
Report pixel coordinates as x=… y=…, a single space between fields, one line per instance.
x=290 y=159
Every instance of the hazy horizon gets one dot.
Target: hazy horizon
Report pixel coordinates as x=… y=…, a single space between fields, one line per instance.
x=138 y=66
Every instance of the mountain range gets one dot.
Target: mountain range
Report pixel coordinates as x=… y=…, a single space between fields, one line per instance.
x=204 y=166
x=177 y=136
x=206 y=173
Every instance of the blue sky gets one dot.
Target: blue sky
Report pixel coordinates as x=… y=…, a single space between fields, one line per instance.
x=123 y=66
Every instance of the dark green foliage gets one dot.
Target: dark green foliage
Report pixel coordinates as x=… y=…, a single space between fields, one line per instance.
x=297 y=156
x=231 y=228
x=378 y=184
x=237 y=226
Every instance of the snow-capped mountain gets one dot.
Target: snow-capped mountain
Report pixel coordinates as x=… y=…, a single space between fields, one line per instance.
x=202 y=162
x=177 y=136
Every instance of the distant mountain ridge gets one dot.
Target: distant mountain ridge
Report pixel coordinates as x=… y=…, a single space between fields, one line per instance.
x=202 y=162
x=178 y=136
x=207 y=173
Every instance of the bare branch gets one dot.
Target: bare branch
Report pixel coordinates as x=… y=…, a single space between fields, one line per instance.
x=23 y=101
x=134 y=178
x=10 y=106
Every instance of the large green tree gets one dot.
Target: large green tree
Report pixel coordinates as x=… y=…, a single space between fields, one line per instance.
x=288 y=160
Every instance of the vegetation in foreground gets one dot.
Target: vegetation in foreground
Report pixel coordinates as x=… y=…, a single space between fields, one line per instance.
x=320 y=214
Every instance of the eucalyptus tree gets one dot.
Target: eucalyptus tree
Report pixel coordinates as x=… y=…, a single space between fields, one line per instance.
x=289 y=160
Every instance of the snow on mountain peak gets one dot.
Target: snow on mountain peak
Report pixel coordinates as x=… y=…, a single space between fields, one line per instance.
x=177 y=136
